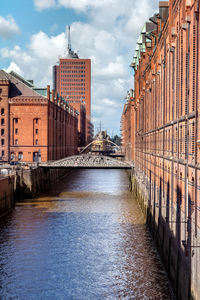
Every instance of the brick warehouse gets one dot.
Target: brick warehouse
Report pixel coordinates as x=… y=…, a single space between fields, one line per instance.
x=161 y=133
x=72 y=80
x=34 y=127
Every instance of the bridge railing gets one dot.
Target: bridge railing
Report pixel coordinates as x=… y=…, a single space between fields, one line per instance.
x=88 y=161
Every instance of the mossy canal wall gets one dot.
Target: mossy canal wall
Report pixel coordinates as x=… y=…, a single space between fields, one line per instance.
x=29 y=182
x=176 y=262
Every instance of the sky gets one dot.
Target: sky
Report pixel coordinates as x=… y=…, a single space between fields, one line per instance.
x=33 y=34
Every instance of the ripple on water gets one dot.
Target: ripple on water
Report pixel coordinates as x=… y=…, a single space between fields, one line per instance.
x=86 y=239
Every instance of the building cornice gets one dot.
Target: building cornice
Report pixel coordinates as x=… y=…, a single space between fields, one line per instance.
x=28 y=101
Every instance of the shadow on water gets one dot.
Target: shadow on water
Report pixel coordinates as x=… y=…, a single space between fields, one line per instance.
x=84 y=239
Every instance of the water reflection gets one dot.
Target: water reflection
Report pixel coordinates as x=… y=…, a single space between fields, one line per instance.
x=86 y=239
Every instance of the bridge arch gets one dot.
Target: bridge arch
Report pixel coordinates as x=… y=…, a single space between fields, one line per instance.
x=88 y=161
x=104 y=140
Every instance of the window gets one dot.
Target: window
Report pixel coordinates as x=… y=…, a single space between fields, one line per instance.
x=2 y=111
x=2 y=121
x=2 y=142
x=16 y=131
x=2 y=132
x=2 y=153
x=36 y=142
x=16 y=120
x=36 y=131
x=36 y=120
x=193 y=138
x=20 y=155
x=12 y=155
x=35 y=156
x=16 y=142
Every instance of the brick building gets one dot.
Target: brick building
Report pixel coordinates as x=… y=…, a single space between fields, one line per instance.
x=166 y=138
x=34 y=126
x=72 y=80
x=128 y=126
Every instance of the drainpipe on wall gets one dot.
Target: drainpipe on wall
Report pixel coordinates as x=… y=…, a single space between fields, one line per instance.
x=196 y=113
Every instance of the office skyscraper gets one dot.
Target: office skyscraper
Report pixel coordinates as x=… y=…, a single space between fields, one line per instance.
x=72 y=80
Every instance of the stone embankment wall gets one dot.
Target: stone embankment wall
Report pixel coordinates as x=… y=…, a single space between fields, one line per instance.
x=6 y=194
x=175 y=261
x=32 y=181
x=21 y=183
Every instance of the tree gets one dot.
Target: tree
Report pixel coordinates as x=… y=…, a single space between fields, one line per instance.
x=116 y=139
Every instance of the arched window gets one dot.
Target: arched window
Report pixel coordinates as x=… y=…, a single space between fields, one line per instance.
x=20 y=155
x=12 y=155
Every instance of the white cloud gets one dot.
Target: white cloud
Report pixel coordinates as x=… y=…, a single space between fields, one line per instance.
x=114 y=69
x=44 y=4
x=79 y=5
x=111 y=103
x=47 y=48
x=108 y=38
x=14 y=67
x=82 y=5
x=8 y=27
x=54 y=27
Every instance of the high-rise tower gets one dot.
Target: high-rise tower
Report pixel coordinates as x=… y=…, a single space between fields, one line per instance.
x=72 y=80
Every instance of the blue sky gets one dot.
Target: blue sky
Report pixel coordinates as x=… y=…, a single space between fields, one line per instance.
x=33 y=33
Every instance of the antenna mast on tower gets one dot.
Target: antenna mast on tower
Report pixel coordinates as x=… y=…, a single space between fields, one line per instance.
x=69 y=53
x=69 y=39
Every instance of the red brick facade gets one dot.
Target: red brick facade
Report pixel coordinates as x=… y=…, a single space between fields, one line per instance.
x=128 y=125
x=34 y=127
x=163 y=127
x=72 y=80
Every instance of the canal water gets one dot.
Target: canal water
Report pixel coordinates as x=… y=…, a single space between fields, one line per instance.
x=84 y=239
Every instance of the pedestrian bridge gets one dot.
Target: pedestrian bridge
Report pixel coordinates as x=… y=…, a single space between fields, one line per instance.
x=88 y=161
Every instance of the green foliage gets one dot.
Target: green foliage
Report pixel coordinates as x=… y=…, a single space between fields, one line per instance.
x=116 y=139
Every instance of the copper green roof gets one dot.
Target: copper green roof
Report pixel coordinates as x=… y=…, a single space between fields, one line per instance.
x=41 y=91
x=141 y=42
